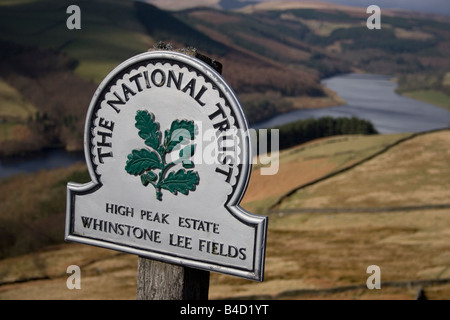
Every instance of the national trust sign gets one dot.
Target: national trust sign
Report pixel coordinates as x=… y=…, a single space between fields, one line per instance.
x=169 y=159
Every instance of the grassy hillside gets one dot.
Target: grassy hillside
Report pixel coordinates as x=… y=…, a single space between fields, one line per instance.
x=40 y=99
x=33 y=201
x=163 y=25
x=274 y=57
x=32 y=210
x=431 y=87
x=306 y=252
x=41 y=54
x=110 y=32
x=15 y=111
x=56 y=70
x=15 y=107
x=326 y=41
x=309 y=162
x=409 y=175
x=333 y=40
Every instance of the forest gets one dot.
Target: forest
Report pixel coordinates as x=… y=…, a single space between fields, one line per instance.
x=301 y=131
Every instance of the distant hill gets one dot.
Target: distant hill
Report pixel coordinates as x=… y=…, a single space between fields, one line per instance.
x=164 y=26
x=321 y=40
x=176 y=5
x=274 y=54
x=110 y=32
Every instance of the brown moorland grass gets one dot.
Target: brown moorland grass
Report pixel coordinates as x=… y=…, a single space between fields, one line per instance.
x=415 y=172
x=304 y=251
x=310 y=161
x=315 y=251
x=32 y=208
x=318 y=251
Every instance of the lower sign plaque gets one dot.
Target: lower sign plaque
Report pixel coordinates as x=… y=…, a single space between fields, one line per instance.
x=168 y=152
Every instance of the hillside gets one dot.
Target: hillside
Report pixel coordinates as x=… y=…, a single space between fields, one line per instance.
x=274 y=55
x=38 y=103
x=311 y=162
x=38 y=51
x=410 y=176
x=327 y=39
x=307 y=252
x=57 y=70
x=110 y=32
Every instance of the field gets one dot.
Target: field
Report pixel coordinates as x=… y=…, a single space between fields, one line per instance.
x=430 y=96
x=310 y=255
x=14 y=113
x=410 y=175
x=14 y=106
x=309 y=162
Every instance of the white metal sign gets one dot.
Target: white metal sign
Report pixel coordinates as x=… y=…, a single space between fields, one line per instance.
x=168 y=153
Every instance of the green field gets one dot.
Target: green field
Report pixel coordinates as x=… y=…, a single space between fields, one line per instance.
x=15 y=111
x=13 y=104
x=430 y=96
x=5 y=131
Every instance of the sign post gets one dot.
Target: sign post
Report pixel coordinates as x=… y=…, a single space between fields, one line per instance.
x=162 y=281
x=168 y=151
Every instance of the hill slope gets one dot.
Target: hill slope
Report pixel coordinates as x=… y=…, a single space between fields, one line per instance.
x=414 y=173
x=309 y=251
x=112 y=31
x=273 y=57
x=309 y=162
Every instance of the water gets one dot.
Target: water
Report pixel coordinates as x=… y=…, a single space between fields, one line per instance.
x=50 y=159
x=372 y=97
x=369 y=97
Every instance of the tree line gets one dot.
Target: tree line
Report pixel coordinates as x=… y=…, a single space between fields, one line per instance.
x=302 y=131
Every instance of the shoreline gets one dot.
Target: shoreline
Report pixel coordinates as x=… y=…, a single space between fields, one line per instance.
x=331 y=99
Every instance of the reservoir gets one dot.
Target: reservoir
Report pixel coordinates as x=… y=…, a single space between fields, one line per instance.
x=372 y=97
x=368 y=96
x=53 y=158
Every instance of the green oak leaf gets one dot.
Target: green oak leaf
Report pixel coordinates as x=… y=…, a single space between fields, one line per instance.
x=147 y=178
x=142 y=160
x=180 y=132
x=188 y=164
x=148 y=128
x=182 y=181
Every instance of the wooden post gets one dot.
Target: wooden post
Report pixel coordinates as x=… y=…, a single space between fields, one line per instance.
x=162 y=281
